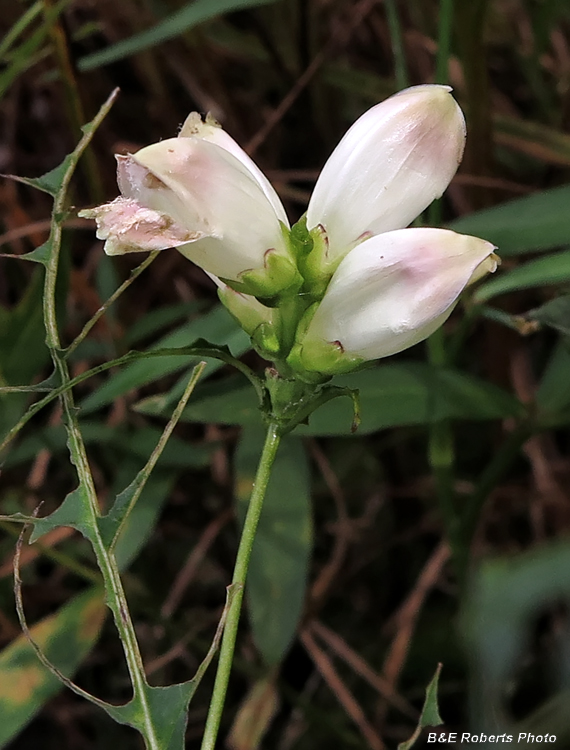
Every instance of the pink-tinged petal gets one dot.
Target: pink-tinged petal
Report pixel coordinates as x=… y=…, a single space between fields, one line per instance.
x=212 y=132
x=207 y=190
x=128 y=227
x=396 y=289
x=391 y=164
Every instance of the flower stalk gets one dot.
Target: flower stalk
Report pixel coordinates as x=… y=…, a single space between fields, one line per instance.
x=227 y=648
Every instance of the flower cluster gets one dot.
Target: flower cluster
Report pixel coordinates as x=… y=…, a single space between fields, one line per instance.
x=348 y=283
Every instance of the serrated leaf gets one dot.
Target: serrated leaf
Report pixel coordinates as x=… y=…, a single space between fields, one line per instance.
x=429 y=716
x=50 y=182
x=73 y=512
x=551 y=269
x=536 y=222
x=40 y=255
x=278 y=569
x=169 y=705
x=185 y=18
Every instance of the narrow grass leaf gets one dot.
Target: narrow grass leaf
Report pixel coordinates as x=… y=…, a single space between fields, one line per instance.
x=66 y=638
x=536 y=222
x=550 y=269
x=190 y=15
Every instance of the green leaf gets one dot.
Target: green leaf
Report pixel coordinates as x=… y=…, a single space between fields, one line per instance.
x=408 y=393
x=189 y=16
x=536 y=222
x=217 y=326
x=73 y=512
x=169 y=705
x=227 y=401
x=156 y=320
x=51 y=183
x=505 y=597
x=552 y=269
x=42 y=253
x=66 y=638
x=279 y=564
x=430 y=712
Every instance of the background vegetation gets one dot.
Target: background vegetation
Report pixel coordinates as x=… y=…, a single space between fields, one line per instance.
x=434 y=534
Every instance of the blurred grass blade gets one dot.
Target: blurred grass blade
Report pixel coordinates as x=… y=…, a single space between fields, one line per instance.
x=186 y=18
x=555 y=313
x=430 y=712
x=551 y=269
x=254 y=716
x=506 y=598
x=112 y=524
x=30 y=50
x=66 y=638
x=216 y=326
x=536 y=222
x=553 y=393
x=20 y=26
x=279 y=564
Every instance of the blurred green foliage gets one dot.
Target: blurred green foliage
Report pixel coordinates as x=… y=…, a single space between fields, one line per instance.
x=471 y=446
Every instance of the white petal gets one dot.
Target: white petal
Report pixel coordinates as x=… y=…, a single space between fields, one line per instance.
x=212 y=132
x=394 y=290
x=389 y=166
x=207 y=190
x=128 y=227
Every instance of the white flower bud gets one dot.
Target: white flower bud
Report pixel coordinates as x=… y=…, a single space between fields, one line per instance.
x=391 y=164
x=389 y=293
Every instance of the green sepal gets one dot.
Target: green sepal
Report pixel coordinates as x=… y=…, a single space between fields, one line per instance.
x=279 y=274
x=247 y=312
x=300 y=240
x=266 y=341
x=317 y=361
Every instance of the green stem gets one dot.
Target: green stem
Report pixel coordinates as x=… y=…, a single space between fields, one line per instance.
x=441 y=454
x=116 y=598
x=240 y=573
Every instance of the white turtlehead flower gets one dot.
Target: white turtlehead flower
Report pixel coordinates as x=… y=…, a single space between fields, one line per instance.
x=202 y=194
x=391 y=164
x=389 y=293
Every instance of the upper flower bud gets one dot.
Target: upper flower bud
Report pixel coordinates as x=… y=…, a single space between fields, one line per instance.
x=391 y=164
x=389 y=293
x=202 y=194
